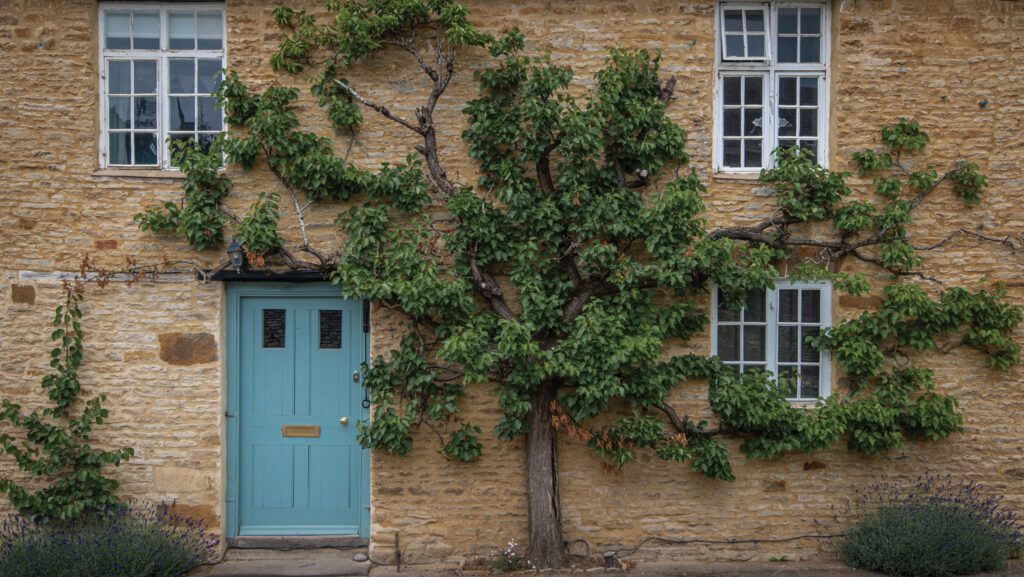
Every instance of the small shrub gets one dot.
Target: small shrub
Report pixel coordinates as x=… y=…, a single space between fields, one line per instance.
x=935 y=528
x=509 y=559
x=134 y=539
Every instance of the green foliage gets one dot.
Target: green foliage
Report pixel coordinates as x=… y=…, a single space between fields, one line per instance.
x=258 y=230
x=132 y=539
x=198 y=217
x=805 y=190
x=585 y=214
x=511 y=558
x=464 y=444
x=934 y=528
x=968 y=182
x=906 y=134
x=53 y=444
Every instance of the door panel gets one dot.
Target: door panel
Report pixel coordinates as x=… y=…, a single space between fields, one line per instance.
x=295 y=368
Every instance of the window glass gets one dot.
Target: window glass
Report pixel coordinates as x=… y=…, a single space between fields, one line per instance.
x=330 y=329
x=117 y=28
x=119 y=77
x=771 y=332
x=158 y=83
x=181 y=30
x=210 y=30
x=274 y=328
x=771 y=76
x=146 y=30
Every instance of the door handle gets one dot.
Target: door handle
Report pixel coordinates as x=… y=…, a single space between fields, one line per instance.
x=343 y=420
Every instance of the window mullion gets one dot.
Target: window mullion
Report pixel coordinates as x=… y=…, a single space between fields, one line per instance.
x=771 y=332
x=162 y=111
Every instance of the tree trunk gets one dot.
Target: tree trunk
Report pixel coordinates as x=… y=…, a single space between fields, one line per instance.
x=545 y=510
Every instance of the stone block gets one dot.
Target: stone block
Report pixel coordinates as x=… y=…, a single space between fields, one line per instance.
x=188 y=348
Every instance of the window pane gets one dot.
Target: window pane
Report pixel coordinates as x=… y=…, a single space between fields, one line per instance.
x=734 y=46
x=210 y=30
x=119 y=77
x=811 y=146
x=183 y=113
x=787 y=21
x=752 y=153
x=755 y=45
x=205 y=141
x=733 y=125
x=788 y=299
x=209 y=76
x=755 y=307
x=145 y=77
x=733 y=84
x=273 y=328
x=809 y=388
x=145 y=148
x=734 y=21
x=117 y=26
x=182 y=76
x=146 y=30
x=810 y=21
x=181 y=30
x=787 y=91
x=330 y=329
x=119 y=112
x=177 y=138
x=729 y=343
x=753 y=343
x=726 y=314
x=787 y=122
x=145 y=112
x=810 y=49
x=752 y=122
x=786 y=380
x=731 y=152
x=120 y=147
x=755 y=21
x=809 y=91
x=787 y=143
x=808 y=122
x=209 y=116
x=811 y=306
x=787 y=49
x=752 y=90
x=809 y=354
x=788 y=344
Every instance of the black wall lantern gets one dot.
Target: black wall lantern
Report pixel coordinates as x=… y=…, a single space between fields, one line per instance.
x=236 y=255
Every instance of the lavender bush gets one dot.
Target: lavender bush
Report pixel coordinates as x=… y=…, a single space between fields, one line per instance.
x=133 y=539
x=935 y=528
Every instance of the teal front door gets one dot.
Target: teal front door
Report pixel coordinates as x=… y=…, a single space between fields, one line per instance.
x=299 y=468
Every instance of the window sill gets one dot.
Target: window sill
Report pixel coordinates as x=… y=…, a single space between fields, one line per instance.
x=138 y=173
x=744 y=176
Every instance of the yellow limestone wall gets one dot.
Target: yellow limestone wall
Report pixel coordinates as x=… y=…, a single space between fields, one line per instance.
x=156 y=349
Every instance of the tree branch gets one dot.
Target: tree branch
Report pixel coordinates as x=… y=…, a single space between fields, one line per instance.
x=382 y=110
x=684 y=425
x=1006 y=241
x=488 y=287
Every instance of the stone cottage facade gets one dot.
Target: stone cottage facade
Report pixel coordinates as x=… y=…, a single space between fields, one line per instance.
x=90 y=90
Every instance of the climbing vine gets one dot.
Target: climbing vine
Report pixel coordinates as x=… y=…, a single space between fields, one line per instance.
x=56 y=445
x=558 y=277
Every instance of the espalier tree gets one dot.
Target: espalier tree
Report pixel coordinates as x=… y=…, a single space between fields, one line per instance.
x=559 y=276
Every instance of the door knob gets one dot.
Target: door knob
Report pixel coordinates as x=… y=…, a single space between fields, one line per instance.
x=344 y=420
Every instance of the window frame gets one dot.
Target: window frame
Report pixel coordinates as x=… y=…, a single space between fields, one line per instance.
x=772 y=330
x=770 y=70
x=162 y=56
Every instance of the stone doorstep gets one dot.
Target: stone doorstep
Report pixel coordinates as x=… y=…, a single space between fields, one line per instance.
x=294 y=562
x=297 y=542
